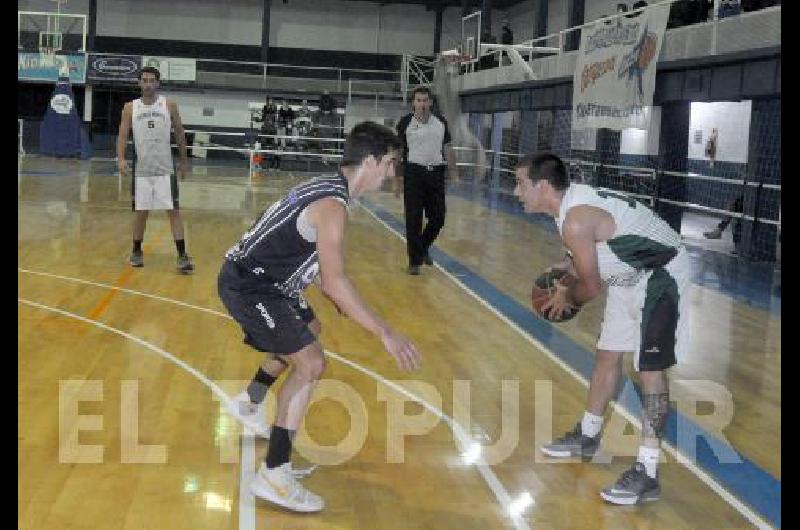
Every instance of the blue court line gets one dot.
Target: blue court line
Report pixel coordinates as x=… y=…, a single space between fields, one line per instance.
x=748 y=282
x=46 y=173
x=736 y=473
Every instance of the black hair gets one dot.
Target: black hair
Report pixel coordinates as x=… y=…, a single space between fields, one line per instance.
x=420 y=89
x=546 y=166
x=369 y=138
x=150 y=70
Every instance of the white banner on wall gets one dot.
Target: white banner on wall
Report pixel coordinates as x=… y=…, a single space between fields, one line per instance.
x=615 y=75
x=173 y=68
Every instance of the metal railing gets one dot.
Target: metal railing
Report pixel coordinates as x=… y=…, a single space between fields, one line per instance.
x=560 y=36
x=639 y=182
x=415 y=71
x=557 y=41
x=269 y=72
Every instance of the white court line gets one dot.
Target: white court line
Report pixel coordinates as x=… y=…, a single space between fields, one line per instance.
x=247 y=514
x=731 y=499
x=223 y=397
x=130 y=291
x=247 y=501
x=248 y=452
x=458 y=431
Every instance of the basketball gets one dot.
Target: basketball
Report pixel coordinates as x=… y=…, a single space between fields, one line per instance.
x=545 y=286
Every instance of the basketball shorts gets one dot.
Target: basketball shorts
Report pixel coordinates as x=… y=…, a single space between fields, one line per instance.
x=271 y=322
x=155 y=193
x=651 y=317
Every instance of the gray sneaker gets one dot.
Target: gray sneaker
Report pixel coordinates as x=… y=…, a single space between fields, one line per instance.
x=136 y=259
x=632 y=487
x=573 y=443
x=185 y=265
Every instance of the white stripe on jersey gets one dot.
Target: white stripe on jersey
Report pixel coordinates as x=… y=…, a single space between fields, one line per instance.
x=273 y=212
x=307 y=191
x=256 y=234
x=301 y=270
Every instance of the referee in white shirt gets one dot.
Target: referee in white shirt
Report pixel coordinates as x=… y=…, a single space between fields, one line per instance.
x=425 y=138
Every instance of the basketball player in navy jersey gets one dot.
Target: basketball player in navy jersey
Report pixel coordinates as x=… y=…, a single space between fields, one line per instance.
x=296 y=241
x=154 y=185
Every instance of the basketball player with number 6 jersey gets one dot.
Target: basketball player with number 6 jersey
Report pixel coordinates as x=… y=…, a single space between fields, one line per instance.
x=154 y=185
x=615 y=240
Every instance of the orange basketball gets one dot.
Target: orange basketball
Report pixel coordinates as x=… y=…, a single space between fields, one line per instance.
x=545 y=286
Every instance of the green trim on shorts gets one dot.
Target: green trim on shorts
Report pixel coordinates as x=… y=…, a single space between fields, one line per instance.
x=641 y=252
x=662 y=302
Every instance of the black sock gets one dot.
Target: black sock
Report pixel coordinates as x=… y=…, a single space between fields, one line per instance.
x=257 y=389
x=180 y=244
x=280 y=447
x=137 y=245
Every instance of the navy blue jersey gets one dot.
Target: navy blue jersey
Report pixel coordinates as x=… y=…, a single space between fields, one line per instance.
x=279 y=251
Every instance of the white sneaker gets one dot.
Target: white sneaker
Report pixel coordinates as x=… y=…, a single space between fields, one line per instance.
x=250 y=414
x=279 y=486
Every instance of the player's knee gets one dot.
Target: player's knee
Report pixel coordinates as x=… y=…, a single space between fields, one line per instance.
x=316 y=327
x=654 y=381
x=608 y=360
x=311 y=367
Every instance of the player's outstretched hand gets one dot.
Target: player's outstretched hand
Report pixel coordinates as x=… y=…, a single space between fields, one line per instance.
x=406 y=354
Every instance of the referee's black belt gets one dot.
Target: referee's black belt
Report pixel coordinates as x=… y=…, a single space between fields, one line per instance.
x=429 y=167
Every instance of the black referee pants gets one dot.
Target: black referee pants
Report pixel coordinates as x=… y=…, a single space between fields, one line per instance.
x=423 y=195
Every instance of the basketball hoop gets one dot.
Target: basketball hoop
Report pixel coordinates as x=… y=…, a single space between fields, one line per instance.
x=57 y=30
x=452 y=61
x=58 y=4
x=50 y=41
x=456 y=59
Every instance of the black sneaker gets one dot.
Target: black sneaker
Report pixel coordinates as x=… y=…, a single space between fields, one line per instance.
x=573 y=443
x=426 y=259
x=136 y=259
x=413 y=270
x=632 y=487
x=184 y=264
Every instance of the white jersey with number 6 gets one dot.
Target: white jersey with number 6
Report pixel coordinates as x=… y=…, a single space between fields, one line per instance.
x=151 y=129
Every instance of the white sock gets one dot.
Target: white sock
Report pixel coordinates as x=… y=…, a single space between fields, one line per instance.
x=591 y=424
x=649 y=457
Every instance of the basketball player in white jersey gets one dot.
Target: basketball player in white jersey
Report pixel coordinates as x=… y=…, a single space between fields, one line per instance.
x=619 y=242
x=154 y=185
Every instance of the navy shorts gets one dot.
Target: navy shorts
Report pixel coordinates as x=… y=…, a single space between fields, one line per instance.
x=271 y=322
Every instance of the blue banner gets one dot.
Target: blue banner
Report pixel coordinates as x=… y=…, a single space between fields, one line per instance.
x=37 y=66
x=61 y=133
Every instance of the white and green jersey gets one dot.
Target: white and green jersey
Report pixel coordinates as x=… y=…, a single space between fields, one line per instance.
x=642 y=241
